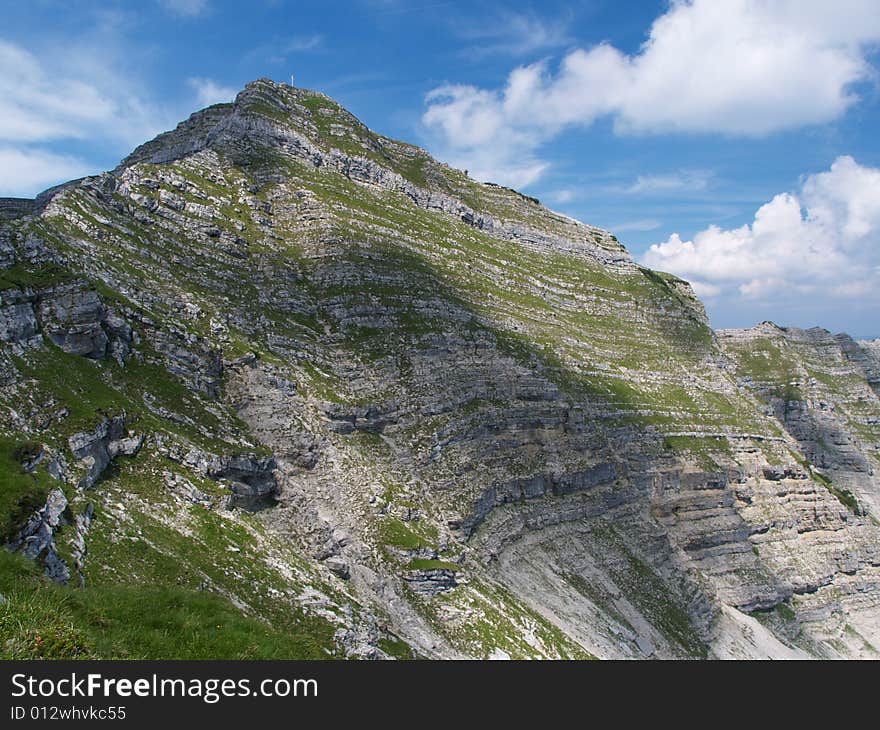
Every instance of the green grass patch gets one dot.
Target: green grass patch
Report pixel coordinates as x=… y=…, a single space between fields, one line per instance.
x=423 y=564
x=396 y=647
x=707 y=451
x=21 y=493
x=41 y=620
x=396 y=533
x=21 y=276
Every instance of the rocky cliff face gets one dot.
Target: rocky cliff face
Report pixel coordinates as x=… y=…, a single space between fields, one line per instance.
x=314 y=371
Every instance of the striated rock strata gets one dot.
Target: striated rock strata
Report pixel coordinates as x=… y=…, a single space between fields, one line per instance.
x=362 y=387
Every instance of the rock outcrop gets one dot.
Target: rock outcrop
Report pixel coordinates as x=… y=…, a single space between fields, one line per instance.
x=36 y=537
x=96 y=449
x=13 y=208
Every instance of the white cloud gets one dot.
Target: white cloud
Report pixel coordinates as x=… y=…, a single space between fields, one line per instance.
x=209 y=92
x=512 y=34
x=301 y=44
x=643 y=224
x=743 y=67
x=25 y=172
x=685 y=180
x=704 y=290
x=40 y=104
x=279 y=49
x=475 y=137
x=823 y=242
x=561 y=197
x=70 y=94
x=185 y=8
x=34 y=106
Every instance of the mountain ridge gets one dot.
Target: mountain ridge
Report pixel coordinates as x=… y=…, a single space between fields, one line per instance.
x=319 y=375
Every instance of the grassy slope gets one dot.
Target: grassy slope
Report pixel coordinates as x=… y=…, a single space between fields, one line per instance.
x=41 y=620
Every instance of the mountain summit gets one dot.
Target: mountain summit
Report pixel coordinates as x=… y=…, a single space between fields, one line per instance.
x=281 y=374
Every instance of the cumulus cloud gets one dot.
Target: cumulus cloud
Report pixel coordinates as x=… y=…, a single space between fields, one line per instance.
x=743 y=67
x=209 y=92
x=475 y=137
x=26 y=172
x=823 y=241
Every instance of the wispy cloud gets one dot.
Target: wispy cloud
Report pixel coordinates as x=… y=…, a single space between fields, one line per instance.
x=677 y=182
x=643 y=224
x=399 y=7
x=304 y=43
x=185 y=8
x=209 y=92
x=560 y=197
x=68 y=100
x=278 y=50
x=25 y=171
x=50 y=99
x=512 y=34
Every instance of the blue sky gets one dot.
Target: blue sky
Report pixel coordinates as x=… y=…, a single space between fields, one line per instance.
x=733 y=142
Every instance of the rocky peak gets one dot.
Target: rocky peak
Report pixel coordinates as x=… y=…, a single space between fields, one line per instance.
x=272 y=125
x=264 y=113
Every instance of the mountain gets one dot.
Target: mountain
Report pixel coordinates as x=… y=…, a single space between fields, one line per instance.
x=278 y=386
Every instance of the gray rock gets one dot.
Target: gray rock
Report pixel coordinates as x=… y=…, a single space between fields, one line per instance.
x=338 y=566
x=72 y=318
x=83 y=524
x=14 y=208
x=125 y=446
x=97 y=448
x=251 y=479
x=36 y=539
x=18 y=322
x=645 y=646
x=431 y=582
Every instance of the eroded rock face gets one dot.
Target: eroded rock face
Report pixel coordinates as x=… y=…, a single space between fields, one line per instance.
x=71 y=316
x=251 y=479
x=14 y=208
x=36 y=538
x=430 y=582
x=196 y=364
x=403 y=371
x=72 y=320
x=18 y=323
x=96 y=449
x=822 y=388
